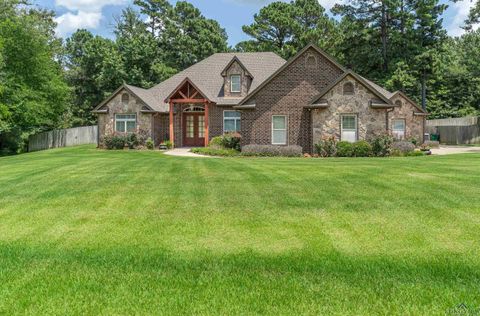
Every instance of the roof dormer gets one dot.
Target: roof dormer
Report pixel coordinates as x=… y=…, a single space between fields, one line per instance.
x=237 y=79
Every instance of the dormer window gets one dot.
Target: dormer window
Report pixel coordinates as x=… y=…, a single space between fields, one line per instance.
x=235 y=83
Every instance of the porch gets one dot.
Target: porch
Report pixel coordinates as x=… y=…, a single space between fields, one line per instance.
x=188 y=116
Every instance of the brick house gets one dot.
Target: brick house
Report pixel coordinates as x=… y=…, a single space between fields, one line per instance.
x=266 y=99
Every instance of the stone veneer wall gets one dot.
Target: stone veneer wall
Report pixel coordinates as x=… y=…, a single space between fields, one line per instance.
x=106 y=122
x=287 y=94
x=236 y=69
x=326 y=122
x=161 y=128
x=414 y=124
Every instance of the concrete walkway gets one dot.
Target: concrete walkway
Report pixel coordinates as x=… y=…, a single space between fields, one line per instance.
x=185 y=152
x=448 y=150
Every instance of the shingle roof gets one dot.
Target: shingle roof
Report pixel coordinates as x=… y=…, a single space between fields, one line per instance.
x=207 y=76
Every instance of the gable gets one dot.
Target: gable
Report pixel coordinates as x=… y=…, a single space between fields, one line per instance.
x=310 y=60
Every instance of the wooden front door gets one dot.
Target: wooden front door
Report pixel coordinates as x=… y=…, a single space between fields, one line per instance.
x=194 y=129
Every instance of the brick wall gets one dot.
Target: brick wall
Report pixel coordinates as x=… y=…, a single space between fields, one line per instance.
x=286 y=94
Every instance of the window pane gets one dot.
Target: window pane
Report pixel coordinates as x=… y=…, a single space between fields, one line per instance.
x=349 y=122
x=235 y=81
x=201 y=126
x=279 y=137
x=120 y=126
x=131 y=126
x=239 y=126
x=279 y=122
x=229 y=125
x=349 y=136
x=125 y=117
x=232 y=114
x=398 y=125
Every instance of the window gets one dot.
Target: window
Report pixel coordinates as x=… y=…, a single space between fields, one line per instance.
x=125 y=98
x=235 y=83
x=348 y=88
x=125 y=123
x=279 y=130
x=398 y=129
x=231 y=121
x=349 y=128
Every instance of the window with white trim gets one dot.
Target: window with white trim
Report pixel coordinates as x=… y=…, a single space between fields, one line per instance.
x=231 y=121
x=279 y=130
x=398 y=129
x=235 y=83
x=349 y=128
x=125 y=123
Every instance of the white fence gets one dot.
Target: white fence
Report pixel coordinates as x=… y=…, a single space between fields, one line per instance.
x=63 y=138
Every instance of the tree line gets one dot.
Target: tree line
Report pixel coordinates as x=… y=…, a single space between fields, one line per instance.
x=47 y=82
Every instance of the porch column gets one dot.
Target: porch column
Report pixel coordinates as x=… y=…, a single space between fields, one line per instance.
x=206 y=123
x=172 y=138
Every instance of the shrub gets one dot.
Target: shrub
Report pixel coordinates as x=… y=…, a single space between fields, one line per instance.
x=231 y=141
x=114 y=141
x=432 y=143
x=382 y=145
x=132 y=140
x=216 y=142
x=168 y=144
x=142 y=137
x=272 y=151
x=327 y=147
x=415 y=153
x=362 y=149
x=215 y=151
x=150 y=144
x=344 y=149
x=413 y=140
x=402 y=148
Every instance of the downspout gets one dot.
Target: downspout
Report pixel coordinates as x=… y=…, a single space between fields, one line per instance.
x=386 y=119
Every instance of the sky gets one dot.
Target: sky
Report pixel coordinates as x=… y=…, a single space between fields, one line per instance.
x=98 y=16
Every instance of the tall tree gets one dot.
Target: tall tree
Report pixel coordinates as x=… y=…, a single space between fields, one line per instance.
x=156 y=11
x=190 y=37
x=287 y=27
x=94 y=69
x=141 y=56
x=33 y=94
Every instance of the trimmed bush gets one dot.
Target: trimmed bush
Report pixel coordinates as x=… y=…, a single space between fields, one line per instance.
x=344 y=149
x=231 y=141
x=215 y=151
x=216 y=142
x=132 y=141
x=114 y=141
x=150 y=144
x=326 y=147
x=362 y=149
x=382 y=145
x=272 y=151
x=402 y=148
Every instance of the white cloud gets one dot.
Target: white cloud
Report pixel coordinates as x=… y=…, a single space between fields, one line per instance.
x=460 y=13
x=82 y=14
x=70 y=22
x=87 y=5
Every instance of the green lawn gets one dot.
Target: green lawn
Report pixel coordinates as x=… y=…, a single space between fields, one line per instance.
x=85 y=231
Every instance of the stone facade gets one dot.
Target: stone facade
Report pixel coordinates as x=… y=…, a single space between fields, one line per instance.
x=236 y=69
x=287 y=94
x=414 y=124
x=327 y=122
x=106 y=122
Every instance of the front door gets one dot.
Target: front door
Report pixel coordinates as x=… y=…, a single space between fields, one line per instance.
x=193 y=129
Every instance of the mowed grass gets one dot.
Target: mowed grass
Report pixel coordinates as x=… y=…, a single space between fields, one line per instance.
x=85 y=231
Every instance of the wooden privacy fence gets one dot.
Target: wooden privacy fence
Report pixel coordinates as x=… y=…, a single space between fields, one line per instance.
x=63 y=138
x=456 y=131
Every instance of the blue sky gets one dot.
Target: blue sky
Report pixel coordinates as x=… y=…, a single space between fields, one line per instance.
x=98 y=15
